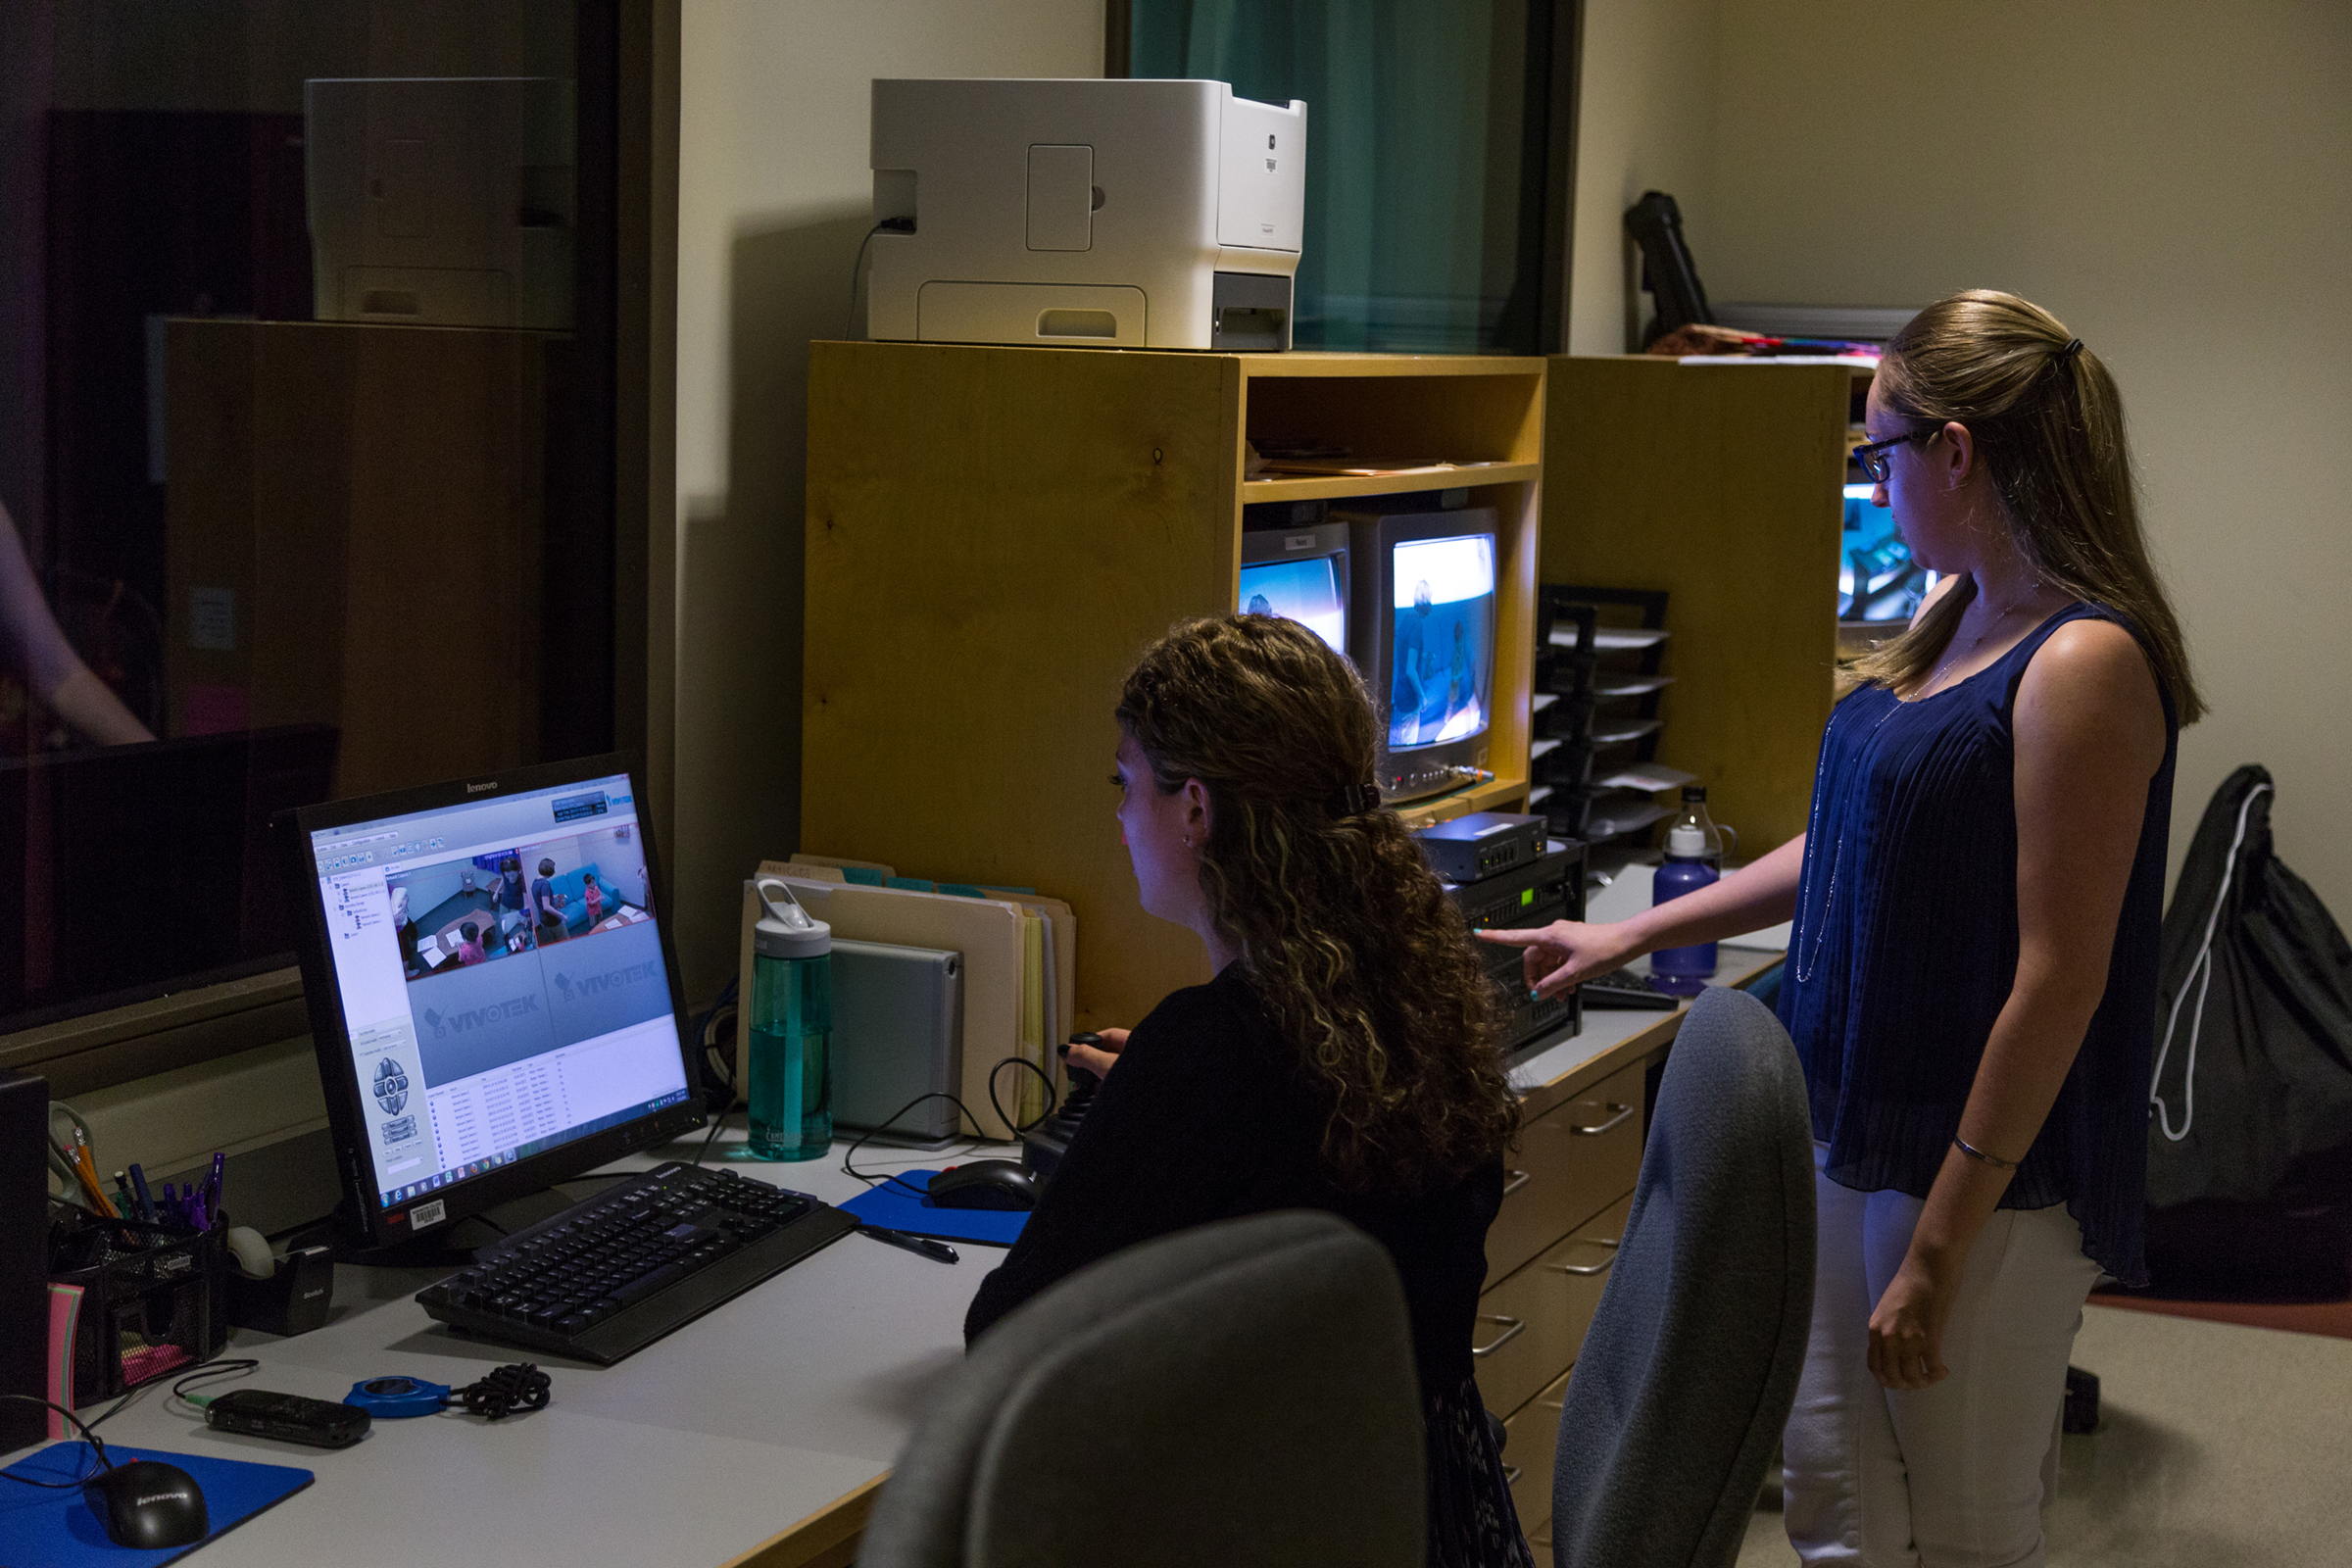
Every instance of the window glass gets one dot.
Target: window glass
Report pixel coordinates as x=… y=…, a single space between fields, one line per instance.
x=1423 y=201
x=304 y=353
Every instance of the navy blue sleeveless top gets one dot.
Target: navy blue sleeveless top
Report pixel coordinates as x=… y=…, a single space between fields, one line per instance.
x=1904 y=948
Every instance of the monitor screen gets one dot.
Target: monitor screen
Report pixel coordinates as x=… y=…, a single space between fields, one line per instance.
x=1443 y=654
x=500 y=977
x=1307 y=592
x=1877 y=578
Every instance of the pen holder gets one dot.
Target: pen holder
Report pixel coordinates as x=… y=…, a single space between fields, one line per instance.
x=152 y=1299
x=293 y=1301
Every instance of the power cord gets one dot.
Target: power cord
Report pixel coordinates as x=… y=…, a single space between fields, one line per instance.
x=97 y=1445
x=887 y=225
x=522 y=1387
x=711 y=1137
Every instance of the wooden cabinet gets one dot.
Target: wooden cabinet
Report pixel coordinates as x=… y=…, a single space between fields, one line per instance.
x=995 y=533
x=1724 y=485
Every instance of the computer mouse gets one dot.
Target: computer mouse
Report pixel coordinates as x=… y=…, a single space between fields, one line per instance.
x=984 y=1184
x=146 y=1503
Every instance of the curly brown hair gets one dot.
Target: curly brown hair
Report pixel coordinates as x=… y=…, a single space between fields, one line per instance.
x=1347 y=937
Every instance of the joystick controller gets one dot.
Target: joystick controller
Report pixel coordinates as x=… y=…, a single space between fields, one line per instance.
x=1043 y=1146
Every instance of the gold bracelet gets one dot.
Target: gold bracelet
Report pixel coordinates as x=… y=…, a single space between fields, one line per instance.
x=1976 y=1153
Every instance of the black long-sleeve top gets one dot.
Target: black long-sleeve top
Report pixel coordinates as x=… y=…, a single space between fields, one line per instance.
x=1210 y=1116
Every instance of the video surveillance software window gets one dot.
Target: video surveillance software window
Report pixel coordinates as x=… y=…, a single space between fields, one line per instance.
x=501 y=979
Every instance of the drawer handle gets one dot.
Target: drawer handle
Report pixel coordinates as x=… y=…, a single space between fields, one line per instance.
x=1512 y=1327
x=1517 y=1180
x=1511 y=1474
x=1621 y=1111
x=1585 y=1270
x=1561 y=1403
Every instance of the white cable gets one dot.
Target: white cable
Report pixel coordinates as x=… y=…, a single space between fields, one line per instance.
x=2201 y=973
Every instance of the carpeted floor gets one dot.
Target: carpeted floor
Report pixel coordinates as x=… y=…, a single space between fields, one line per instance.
x=2220 y=1446
x=2333 y=1318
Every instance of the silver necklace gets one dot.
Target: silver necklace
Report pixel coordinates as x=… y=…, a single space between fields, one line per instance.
x=1953 y=658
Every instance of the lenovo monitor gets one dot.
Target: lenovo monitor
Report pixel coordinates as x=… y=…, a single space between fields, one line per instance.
x=492 y=995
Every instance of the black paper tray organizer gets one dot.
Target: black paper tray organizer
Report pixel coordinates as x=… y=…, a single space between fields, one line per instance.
x=1593 y=717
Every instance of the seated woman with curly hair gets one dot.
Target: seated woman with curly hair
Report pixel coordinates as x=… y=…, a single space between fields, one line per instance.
x=1344 y=1057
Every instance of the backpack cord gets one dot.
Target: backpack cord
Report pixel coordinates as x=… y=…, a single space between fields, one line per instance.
x=2204 y=983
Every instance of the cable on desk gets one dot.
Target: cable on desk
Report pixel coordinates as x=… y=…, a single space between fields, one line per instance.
x=711 y=1137
x=892 y=225
x=208 y=1372
x=885 y=1179
x=520 y=1387
x=97 y=1445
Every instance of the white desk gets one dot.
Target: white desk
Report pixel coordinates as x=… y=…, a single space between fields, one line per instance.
x=754 y=1435
x=701 y=1449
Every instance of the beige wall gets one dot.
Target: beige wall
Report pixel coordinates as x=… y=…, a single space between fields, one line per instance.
x=2174 y=181
x=1646 y=121
x=774 y=197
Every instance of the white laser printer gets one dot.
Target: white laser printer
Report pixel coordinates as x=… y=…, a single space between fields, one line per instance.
x=1105 y=213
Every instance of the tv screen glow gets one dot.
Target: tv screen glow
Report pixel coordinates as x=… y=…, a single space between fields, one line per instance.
x=1304 y=591
x=1442 y=653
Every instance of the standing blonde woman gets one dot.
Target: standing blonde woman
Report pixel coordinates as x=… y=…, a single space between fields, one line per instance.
x=1343 y=1057
x=1973 y=966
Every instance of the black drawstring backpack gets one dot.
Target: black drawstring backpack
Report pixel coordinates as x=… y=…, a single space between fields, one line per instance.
x=2250 y=1107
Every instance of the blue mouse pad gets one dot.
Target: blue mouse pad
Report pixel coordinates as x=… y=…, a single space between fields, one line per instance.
x=889 y=1205
x=55 y=1529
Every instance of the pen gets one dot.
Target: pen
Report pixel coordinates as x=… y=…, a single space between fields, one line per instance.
x=211 y=1185
x=87 y=1171
x=937 y=1252
x=139 y=1185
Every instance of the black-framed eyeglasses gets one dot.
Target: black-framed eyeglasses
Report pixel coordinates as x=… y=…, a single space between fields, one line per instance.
x=1874 y=455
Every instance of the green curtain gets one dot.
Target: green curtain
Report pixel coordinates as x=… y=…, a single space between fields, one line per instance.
x=1414 y=136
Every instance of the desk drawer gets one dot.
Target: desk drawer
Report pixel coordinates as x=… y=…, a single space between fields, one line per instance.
x=1567 y=1166
x=1530 y=1439
x=1532 y=1324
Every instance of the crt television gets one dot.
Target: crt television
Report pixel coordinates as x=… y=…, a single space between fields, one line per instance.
x=1299 y=573
x=480 y=1038
x=1425 y=608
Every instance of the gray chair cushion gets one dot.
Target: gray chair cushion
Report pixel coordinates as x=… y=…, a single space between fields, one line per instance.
x=1242 y=1392
x=1690 y=1366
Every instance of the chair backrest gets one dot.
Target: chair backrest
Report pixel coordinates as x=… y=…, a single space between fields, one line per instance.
x=1243 y=1392
x=1689 y=1371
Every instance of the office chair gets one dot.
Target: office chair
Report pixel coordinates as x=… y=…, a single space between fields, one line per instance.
x=1689 y=1371
x=1238 y=1394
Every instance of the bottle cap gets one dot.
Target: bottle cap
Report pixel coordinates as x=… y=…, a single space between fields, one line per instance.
x=1686 y=840
x=786 y=930
x=1694 y=792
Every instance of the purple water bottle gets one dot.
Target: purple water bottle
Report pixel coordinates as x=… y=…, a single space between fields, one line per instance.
x=1694 y=860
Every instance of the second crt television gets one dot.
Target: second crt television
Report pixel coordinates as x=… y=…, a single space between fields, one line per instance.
x=1424 y=622
x=1299 y=573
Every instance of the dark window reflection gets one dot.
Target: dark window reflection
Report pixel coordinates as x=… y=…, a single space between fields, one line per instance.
x=305 y=370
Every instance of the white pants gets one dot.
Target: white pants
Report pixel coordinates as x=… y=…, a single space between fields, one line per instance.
x=1949 y=1476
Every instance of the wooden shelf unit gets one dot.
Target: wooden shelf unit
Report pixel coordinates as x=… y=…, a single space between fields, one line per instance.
x=994 y=535
x=1724 y=485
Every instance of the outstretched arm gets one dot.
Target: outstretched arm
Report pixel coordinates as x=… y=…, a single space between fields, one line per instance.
x=1565 y=952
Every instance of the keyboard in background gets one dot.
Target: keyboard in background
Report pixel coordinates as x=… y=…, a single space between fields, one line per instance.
x=1622 y=988
x=615 y=1272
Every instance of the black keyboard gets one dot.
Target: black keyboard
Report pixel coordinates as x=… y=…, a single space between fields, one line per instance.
x=614 y=1273
x=1622 y=988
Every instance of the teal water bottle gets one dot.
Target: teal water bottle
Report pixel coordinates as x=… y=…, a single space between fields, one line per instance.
x=792 y=1029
